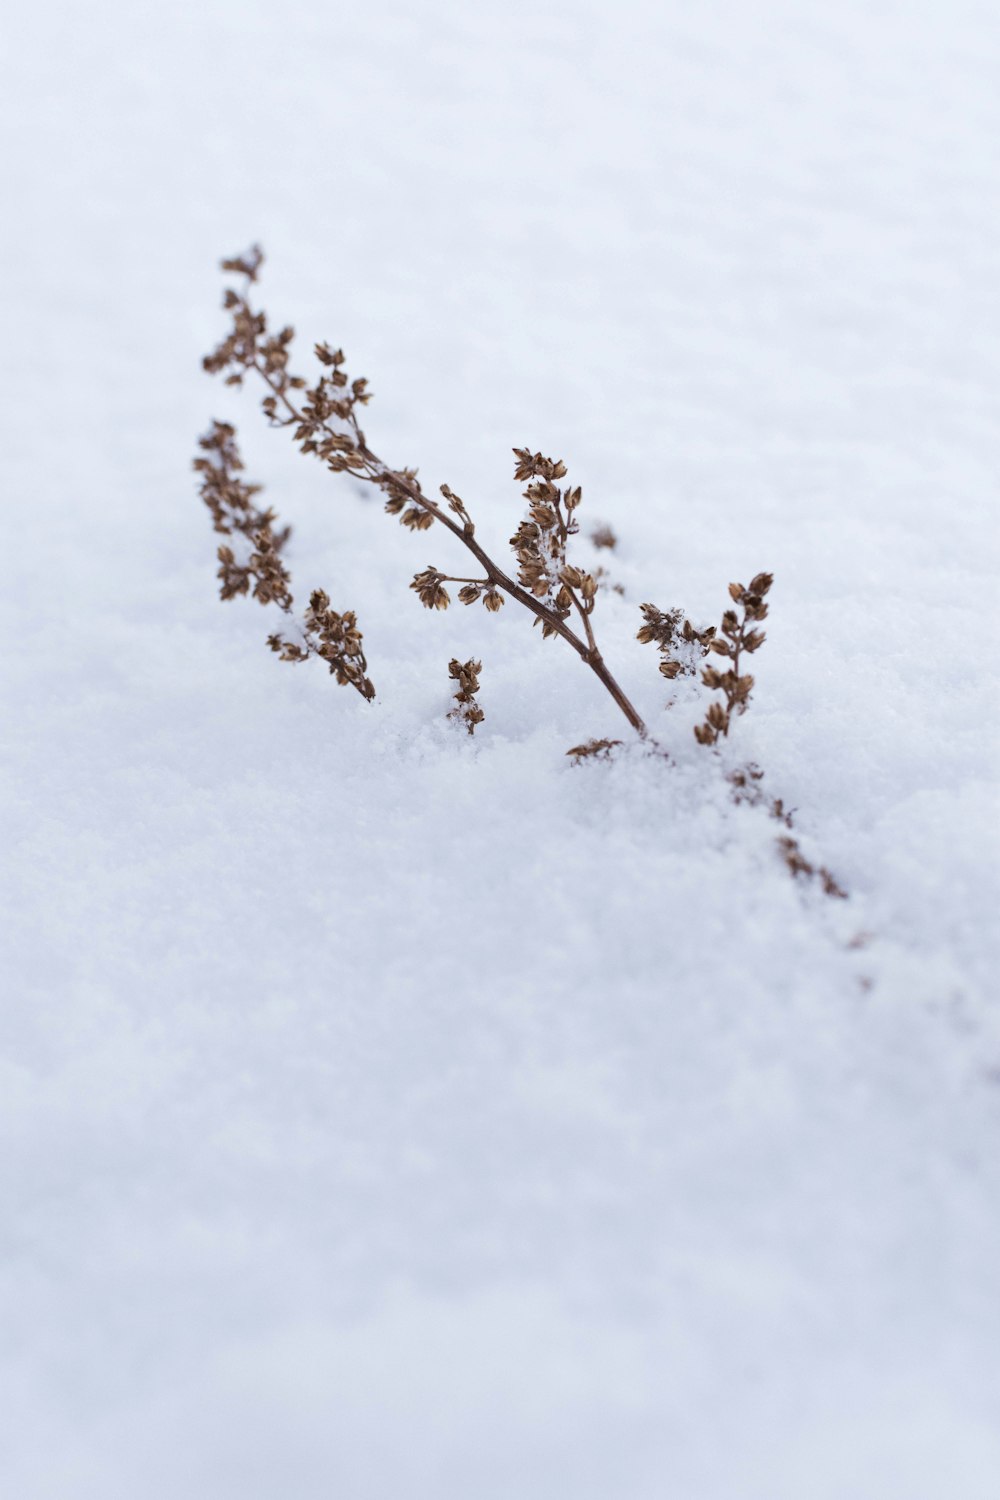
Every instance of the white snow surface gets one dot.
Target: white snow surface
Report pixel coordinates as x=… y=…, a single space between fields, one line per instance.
x=387 y=1113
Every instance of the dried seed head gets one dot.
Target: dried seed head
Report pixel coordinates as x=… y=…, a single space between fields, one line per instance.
x=417 y=519
x=247 y=264
x=466 y=711
x=736 y=687
x=681 y=647
x=430 y=589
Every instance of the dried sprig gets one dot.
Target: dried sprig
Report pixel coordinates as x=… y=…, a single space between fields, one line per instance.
x=334 y=638
x=324 y=421
x=736 y=636
x=466 y=711
x=262 y=571
x=680 y=645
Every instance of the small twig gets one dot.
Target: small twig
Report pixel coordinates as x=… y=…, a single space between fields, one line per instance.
x=733 y=639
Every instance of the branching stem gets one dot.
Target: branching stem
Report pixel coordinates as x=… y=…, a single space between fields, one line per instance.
x=374 y=470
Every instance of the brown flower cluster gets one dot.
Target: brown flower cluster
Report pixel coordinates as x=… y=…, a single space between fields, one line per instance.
x=230 y=502
x=429 y=588
x=540 y=541
x=680 y=645
x=735 y=637
x=262 y=571
x=466 y=711
x=334 y=638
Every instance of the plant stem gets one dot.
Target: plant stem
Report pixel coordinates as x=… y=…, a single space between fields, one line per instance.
x=586 y=650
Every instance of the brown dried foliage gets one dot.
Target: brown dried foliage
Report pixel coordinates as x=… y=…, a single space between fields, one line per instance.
x=262 y=572
x=736 y=637
x=680 y=645
x=466 y=711
x=323 y=421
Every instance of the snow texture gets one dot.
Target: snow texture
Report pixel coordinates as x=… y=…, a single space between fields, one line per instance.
x=387 y=1113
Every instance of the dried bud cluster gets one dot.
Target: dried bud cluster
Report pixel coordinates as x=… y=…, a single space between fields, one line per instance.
x=325 y=420
x=429 y=588
x=734 y=638
x=540 y=541
x=680 y=645
x=466 y=711
x=231 y=504
x=481 y=588
x=334 y=637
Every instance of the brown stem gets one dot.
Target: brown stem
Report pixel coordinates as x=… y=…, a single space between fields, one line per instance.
x=737 y=648
x=585 y=617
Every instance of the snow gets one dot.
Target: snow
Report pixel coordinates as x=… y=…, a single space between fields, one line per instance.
x=386 y=1112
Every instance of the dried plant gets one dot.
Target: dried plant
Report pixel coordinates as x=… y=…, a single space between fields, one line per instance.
x=680 y=645
x=466 y=711
x=261 y=571
x=334 y=638
x=735 y=637
x=231 y=504
x=323 y=420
